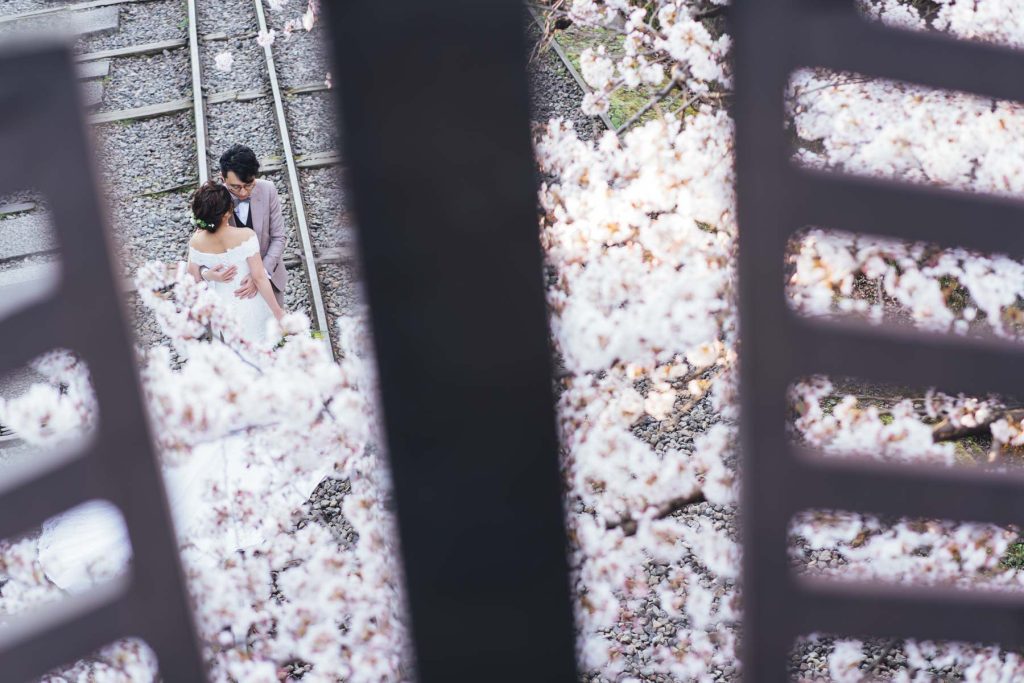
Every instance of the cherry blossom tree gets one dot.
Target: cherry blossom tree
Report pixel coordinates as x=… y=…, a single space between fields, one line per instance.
x=639 y=235
x=288 y=594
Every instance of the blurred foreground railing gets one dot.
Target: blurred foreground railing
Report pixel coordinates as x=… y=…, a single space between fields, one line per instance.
x=776 y=199
x=44 y=148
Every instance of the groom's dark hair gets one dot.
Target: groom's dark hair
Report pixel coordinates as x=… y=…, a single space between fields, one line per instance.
x=241 y=160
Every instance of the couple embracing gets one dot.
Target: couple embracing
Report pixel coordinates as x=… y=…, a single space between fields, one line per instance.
x=237 y=248
x=239 y=241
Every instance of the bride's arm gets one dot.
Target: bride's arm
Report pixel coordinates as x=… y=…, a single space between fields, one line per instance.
x=193 y=270
x=193 y=267
x=263 y=286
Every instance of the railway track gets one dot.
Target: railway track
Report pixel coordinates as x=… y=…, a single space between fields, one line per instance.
x=198 y=104
x=557 y=48
x=313 y=279
x=27 y=249
x=22 y=218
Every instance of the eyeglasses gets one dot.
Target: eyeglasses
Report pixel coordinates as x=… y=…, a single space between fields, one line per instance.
x=238 y=188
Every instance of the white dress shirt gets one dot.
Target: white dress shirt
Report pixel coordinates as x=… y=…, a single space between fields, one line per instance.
x=242 y=211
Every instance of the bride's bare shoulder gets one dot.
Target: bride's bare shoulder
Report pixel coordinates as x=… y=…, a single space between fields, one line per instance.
x=199 y=239
x=238 y=236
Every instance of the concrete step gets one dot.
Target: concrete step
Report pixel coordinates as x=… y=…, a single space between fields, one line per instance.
x=26 y=234
x=17 y=278
x=16 y=207
x=91 y=70
x=89 y=22
x=92 y=93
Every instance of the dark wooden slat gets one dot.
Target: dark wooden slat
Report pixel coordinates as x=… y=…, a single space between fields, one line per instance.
x=905 y=490
x=27 y=492
x=903 y=357
x=939 y=613
x=913 y=212
x=835 y=38
x=61 y=634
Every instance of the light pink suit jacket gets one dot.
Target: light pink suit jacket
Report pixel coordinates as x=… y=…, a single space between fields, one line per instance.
x=268 y=224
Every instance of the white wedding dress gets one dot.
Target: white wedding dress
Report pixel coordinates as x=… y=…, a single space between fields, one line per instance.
x=253 y=313
x=89 y=543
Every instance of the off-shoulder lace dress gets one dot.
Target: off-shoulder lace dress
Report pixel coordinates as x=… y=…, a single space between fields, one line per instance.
x=253 y=313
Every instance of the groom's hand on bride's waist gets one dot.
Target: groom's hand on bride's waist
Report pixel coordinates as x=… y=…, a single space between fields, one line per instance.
x=248 y=288
x=220 y=273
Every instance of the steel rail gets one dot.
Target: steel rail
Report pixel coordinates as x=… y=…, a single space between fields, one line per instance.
x=309 y=259
x=553 y=43
x=198 y=106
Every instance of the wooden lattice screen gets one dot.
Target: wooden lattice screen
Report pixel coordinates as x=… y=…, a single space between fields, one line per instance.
x=776 y=199
x=44 y=142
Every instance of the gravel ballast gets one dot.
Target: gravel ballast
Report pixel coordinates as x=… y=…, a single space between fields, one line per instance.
x=141 y=23
x=554 y=93
x=342 y=293
x=249 y=123
x=147 y=155
x=146 y=80
x=248 y=69
x=301 y=58
x=230 y=17
x=327 y=211
x=312 y=122
x=152 y=228
x=12 y=7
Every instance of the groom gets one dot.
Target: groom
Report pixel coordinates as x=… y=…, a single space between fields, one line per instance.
x=257 y=206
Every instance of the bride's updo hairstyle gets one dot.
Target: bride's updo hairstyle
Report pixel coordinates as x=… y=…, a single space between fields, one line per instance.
x=209 y=204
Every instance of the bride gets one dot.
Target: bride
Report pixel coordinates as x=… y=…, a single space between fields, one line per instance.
x=90 y=542
x=237 y=251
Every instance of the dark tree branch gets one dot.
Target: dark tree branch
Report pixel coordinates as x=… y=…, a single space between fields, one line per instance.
x=710 y=12
x=946 y=431
x=662 y=94
x=629 y=524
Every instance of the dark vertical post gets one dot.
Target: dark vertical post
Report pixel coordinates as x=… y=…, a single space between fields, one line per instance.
x=435 y=134
x=761 y=211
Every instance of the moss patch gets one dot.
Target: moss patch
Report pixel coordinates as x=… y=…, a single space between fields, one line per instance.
x=1014 y=557
x=625 y=102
